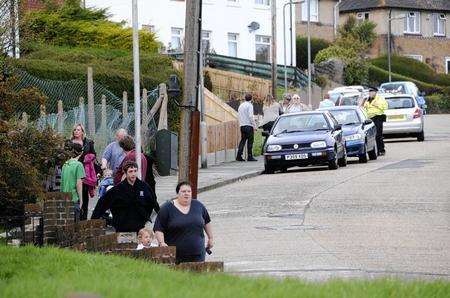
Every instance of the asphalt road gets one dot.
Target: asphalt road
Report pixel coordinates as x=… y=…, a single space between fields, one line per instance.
x=389 y=217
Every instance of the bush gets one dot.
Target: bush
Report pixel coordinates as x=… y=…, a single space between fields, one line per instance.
x=317 y=44
x=344 y=53
x=364 y=31
x=356 y=72
x=378 y=76
x=438 y=103
x=412 y=68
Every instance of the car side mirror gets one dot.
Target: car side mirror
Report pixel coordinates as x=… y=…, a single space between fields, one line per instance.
x=265 y=133
x=338 y=127
x=367 y=122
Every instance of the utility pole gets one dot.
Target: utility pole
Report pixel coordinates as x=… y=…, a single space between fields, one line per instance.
x=137 y=95
x=389 y=44
x=274 y=47
x=189 y=130
x=309 y=50
x=12 y=20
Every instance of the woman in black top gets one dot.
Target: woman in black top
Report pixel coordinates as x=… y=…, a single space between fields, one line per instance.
x=79 y=137
x=181 y=223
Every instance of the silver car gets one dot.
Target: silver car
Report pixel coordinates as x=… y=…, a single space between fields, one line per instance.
x=404 y=117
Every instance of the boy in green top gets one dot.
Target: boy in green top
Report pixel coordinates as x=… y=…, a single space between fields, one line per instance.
x=71 y=177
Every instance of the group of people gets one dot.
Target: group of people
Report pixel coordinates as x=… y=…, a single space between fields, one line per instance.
x=182 y=222
x=271 y=110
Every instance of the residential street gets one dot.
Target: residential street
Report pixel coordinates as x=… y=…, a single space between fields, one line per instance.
x=389 y=217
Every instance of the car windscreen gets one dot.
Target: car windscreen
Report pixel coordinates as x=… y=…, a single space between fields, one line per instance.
x=346 y=117
x=400 y=102
x=393 y=88
x=349 y=100
x=302 y=122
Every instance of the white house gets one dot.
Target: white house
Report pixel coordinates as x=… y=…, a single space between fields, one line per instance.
x=225 y=25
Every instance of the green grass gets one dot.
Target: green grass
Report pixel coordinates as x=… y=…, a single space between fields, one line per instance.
x=52 y=272
x=257 y=143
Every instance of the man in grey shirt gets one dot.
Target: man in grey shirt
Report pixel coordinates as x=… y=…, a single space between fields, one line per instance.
x=248 y=127
x=113 y=154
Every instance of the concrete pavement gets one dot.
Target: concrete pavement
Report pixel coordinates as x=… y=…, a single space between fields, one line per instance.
x=389 y=217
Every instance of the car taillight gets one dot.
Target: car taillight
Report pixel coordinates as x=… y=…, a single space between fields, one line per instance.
x=417 y=113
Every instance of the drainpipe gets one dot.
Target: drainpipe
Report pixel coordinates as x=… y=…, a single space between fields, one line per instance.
x=336 y=16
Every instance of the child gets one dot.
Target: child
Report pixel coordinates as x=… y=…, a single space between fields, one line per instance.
x=146 y=239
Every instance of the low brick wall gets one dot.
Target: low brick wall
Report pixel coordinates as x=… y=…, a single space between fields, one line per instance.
x=201 y=266
x=58 y=211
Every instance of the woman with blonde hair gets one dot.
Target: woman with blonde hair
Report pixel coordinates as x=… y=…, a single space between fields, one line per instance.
x=271 y=110
x=88 y=159
x=296 y=104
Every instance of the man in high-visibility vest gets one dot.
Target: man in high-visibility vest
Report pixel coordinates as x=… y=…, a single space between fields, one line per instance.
x=375 y=107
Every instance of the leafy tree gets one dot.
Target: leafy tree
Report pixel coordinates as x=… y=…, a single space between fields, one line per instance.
x=317 y=44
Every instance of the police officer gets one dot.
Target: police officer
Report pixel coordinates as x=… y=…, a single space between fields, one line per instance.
x=131 y=202
x=375 y=107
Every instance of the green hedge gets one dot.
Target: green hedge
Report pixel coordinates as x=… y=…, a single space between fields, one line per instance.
x=412 y=68
x=438 y=103
x=317 y=44
x=378 y=76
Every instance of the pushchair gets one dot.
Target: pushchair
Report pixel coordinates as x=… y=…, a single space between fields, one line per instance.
x=104 y=185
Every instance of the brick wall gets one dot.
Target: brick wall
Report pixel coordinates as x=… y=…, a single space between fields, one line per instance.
x=318 y=30
x=29 y=5
x=58 y=211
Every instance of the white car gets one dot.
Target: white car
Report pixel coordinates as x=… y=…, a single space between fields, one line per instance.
x=404 y=117
x=338 y=92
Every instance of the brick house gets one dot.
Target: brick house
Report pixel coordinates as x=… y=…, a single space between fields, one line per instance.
x=323 y=18
x=420 y=29
x=29 y=5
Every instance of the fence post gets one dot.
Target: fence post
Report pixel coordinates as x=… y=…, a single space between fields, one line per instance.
x=82 y=117
x=60 y=117
x=124 y=105
x=145 y=119
x=103 y=117
x=91 y=111
x=163 y=111
x=24 y=119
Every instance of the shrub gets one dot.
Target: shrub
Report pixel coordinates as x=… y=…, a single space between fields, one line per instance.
x=364 y=31
x=356 y=72
x=317 y=45
x=438 y=103
x=335 y=51
x=412 y=68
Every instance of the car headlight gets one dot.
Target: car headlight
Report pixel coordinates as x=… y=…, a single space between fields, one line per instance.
x=272 y=148
x=319 y=144
x=353 y=137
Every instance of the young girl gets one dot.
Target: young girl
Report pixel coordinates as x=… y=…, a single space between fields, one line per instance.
x=146 y=239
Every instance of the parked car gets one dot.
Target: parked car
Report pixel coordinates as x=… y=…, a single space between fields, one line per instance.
x=404 y=117
x=359 y=132
x=302 y=139
x=338 y=92
x=405 y=87
x=350 y=99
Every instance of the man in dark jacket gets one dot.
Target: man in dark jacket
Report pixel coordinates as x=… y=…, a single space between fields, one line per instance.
x=131 y=202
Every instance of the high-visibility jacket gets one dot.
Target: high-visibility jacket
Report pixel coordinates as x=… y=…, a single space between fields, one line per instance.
x=376 y=107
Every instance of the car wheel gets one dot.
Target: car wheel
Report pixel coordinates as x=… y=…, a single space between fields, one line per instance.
x=333 y=164
x=373 y=154
x=268 y=169
x=421 y=136
x=363 y=157
x=343 y=160
x=283 y=170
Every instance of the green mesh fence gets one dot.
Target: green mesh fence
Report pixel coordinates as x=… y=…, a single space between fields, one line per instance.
x=69 y=93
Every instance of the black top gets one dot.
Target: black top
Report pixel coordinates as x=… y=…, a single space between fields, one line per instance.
x=130 y=205
x=185 y=231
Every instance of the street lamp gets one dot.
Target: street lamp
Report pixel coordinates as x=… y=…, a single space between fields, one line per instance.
x=136 y=76
x=284 y=39
x=389 y=40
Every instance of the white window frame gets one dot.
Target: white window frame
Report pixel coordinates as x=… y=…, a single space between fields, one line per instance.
x=233 y=38
x=259 y=40
x=176 y=35
x=412 y=15
x=446 y=66
x=314 y=4
x=207 y=33
x=361 y=16
x=262 y=2
x=437 y=18
x=415 y=57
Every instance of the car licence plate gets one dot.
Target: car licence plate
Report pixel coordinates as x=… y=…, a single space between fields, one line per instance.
x=296 y=156
x=396 y=117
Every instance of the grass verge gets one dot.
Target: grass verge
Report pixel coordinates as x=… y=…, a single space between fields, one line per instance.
x=52 y=272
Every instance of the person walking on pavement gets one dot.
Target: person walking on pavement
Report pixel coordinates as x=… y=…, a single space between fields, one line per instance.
x=296 y=105
x=113 y=154
x=375 y=107
x=131 y=202
x=286 y=102
x=128 y=146
x=248 y=128
x=326 y=102
x=271 y=111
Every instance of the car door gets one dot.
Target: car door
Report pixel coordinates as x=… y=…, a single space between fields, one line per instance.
x=369 y=130
x=337 y=134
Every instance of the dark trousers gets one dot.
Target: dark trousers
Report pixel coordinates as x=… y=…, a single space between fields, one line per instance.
x=378 y=121
x=84 y=210
x=267 y=127
x=247 y=135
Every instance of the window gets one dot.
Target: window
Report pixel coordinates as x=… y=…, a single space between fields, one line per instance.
x=262 y=48
x=262 y=2
x=176 y=38
x=362 y=16
x=417 y=57
x=206 y=41
x=232 y=44
x=412 y=22
x=314 y=11
x=439 y=24
x=447 y=65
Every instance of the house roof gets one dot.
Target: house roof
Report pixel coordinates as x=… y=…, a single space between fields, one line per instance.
x=359 y=5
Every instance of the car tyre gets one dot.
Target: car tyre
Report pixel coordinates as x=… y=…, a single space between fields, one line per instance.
x=333 y=164
x=363 y=157
x=421 y=136
x=343 y=160
x=373 y=154
x=268 y=169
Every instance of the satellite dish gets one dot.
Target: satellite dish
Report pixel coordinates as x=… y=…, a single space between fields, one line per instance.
x=253 y=26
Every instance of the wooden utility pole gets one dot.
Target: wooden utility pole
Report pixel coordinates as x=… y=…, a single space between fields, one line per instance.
x=91 y=106
x=274 y=47
x=188 y=169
